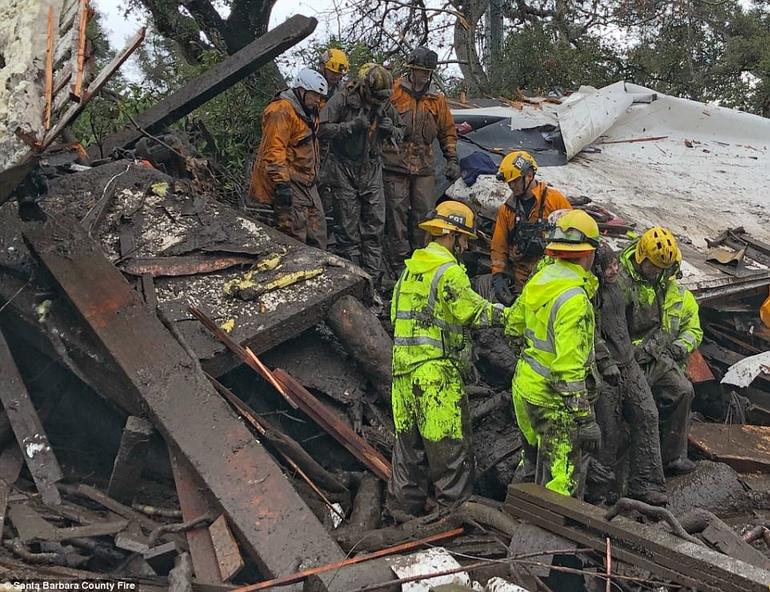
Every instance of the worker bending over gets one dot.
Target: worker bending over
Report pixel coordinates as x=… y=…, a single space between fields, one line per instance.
x=521 y=226
x=286 y=167
x=665 y=328
x=555 y=316
x=625 y=405
x=355 y=123
x=410 y=186
x=433 y=307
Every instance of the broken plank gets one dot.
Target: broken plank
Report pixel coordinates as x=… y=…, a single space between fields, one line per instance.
x=31 y=526
x=212 y=82
x=746 y=448
x=269 y=517
x=11 y=462
x=28 y=428
x=193 y=500
x=226 y=549
x=129 y=461
x=112 y=505
x=184 y=265
x=698 y=369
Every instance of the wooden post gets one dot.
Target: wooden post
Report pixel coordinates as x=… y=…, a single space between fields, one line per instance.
x=129 y=461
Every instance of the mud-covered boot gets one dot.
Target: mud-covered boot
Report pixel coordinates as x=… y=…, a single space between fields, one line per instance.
x=651 y=496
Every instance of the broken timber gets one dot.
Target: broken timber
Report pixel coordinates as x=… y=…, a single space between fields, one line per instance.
x=268 y=515
x=214 y=81
x=129 y=461
x=654 y=549
x=28 y=428
x=746 y=448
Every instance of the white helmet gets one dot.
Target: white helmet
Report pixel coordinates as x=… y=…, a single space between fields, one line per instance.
x=310 y=79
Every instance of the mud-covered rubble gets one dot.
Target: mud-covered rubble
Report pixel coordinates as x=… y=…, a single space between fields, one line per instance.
x=153 y=530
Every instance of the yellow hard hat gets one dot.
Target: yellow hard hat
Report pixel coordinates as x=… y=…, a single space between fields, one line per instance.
x=364 y=69
x=659 y=246
x=574 y=231
x=515 y=165
x=450 y=216
x=335 y=60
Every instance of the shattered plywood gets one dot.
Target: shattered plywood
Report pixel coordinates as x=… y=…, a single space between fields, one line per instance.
x=746 y=448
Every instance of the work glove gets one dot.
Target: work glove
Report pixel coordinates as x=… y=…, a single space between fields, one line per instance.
x=452 y=171
x=283 y=195
x=386 y=126
x=678 y=352
x=589 y=434
x=502 y=289
x=611 y=374
x=359 y=123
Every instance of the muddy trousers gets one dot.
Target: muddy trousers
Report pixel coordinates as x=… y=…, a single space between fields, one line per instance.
x=560 y=463
x=628 y=418
x=408 y=200
x=304 y=219
x=673 y=393
x=359 y=215
x=433 y=439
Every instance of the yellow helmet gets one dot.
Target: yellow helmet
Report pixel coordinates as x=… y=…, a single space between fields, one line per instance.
x=364 y=69
x=450 y=216
x=574 y=231
x=335 y=60
x=659 y=246
x=515 y=165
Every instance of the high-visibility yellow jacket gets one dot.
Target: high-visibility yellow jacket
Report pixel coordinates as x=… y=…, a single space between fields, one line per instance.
x=433 y=306
x=555 y=315
x=669 y=307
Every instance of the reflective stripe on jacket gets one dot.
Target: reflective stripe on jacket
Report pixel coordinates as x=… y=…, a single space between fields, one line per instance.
x=433 y=306
x=503 y=249
x=427 y=118
x=555 y=315
x=669 y=306
x=288 y=150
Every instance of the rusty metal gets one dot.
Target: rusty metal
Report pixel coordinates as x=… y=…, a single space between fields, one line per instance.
x=186 y=265
x=746 y=448
x=299 y=576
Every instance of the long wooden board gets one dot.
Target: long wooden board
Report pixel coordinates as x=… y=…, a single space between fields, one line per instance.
x=276 y=526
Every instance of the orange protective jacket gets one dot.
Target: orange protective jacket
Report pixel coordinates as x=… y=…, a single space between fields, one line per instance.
x=503 y=249
x=288 y=151
x=426 y=118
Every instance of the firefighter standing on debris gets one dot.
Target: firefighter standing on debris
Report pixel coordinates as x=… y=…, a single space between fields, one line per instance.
x=550 y=392
x=286 y=167
x=408 y=177
x=355 y=123
x=518 y=240
x=626 y=403
x=665 y=328
x=432 y=308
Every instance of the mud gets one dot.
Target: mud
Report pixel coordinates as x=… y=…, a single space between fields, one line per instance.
x=715 y=487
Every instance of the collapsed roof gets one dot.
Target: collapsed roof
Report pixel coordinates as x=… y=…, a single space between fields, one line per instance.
x=653 y=159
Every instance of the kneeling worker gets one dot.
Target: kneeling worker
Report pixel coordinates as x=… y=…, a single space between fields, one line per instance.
x=520 y=228
x=433 y=306
x=555 y=316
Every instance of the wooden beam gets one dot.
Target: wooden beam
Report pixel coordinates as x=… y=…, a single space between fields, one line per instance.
x=214 y=81
x=49 y=71
x=28 y=428
x=78 y=57
x=268 y=515
x=226 y=549
x=746 y=448
x=129 y=461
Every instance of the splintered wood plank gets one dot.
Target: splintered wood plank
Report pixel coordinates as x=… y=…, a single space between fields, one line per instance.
x=226 y=549
x=28 y=428
x=193 y=500
x=268 y=515
x=129 y=460
x=746 y=448
x=698 y=369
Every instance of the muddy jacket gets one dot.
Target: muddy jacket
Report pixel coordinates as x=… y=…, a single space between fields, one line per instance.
x=510 y=224
x=658 y=316
x=349 y=146
x=288 y=151
x=433 y=306
x=555 y=315
x=427 y=118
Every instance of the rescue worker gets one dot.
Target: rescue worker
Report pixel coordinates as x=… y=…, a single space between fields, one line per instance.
x=626 y=404
x=665 y=328
x=334 y=67
x=432 y=309
x=521 y=225
x=355 y=123
x=286 y=167
x=555 y=316
x=408 y=176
